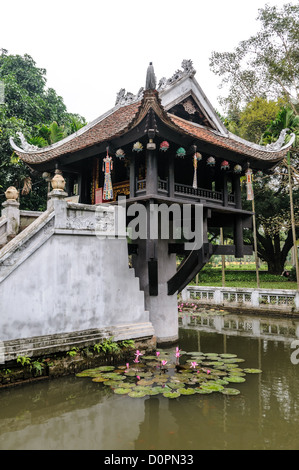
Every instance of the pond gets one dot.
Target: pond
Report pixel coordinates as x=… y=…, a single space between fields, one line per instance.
x=78 y=413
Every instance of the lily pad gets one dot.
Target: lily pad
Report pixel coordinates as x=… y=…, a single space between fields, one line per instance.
x=171 y=394
x=121 y=391
x=99 y=379
x=145 y=382
x=112 y=383
x=137 y=394
x=113 y=376
x=235 y=379
x=126 y=385
x=222 y=381
x=233 y=360
x=253 y=371
x=213 y=387
x=203 y=391
x=174 y=385
x=230 y=391
x=228 y=356
x=160 y=389
x=104 y=368
x=187 y=391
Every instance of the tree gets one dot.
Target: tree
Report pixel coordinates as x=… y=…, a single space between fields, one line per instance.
x=252 y=121
x=274 y=234
x=266 y=64
x=39 y=113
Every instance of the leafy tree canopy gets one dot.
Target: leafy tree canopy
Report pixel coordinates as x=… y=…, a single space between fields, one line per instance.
x=39 y=113
x=265 y=65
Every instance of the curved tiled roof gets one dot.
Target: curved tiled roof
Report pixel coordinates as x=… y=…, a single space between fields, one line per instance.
x=231 y=142
x=123 y=118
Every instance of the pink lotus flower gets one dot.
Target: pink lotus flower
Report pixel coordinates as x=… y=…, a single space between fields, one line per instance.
x=193 y=365
x=208 y=372
x=138 y=353
x=136 y=360
x=164 y=363
x=157 y=353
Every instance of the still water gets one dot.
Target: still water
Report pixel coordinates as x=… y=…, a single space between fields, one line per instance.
x=76 y=413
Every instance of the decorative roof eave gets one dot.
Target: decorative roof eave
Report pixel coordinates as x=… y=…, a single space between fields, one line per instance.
x=122 y=119
x=107 y=126
x=272 y=153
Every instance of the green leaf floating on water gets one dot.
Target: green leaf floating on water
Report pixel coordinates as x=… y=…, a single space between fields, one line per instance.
x=171 y=394
x=230 y=391
x=113 y=376
x=174 y=385
x=121 y=391
x=235 y=379
x=228 y=356
x=99 y=379
x=186 y=391
x=213 y=387
x=253 y=371
x=137 y=394
x=203 y=391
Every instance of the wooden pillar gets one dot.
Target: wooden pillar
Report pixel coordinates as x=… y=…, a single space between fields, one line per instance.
x=238 y=237
x=171 y=175
x=237 y=191
x=151 y=169
x=224 y=188
x=132 y=176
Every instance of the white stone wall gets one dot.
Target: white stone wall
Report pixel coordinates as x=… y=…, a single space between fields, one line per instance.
x=58 y=276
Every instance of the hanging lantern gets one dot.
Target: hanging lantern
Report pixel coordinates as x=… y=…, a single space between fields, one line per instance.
x=238 y=169
x=164 y=146
x=259 y=175
x=195 y=160
x=120 y=154
x=224 y=165
x=198 y=156
x=137 y=147
x=249 y=187
x=211 y=161
x=107 y=168
x=181 y=152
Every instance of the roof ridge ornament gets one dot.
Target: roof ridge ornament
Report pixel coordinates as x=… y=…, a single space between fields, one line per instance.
x=188 y=71
x=123 y=98
x=280 y=142
x=151 y=82
x=24 y=144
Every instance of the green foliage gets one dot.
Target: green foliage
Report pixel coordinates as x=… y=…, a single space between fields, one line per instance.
x=109 y=346
x=266 y=64
x=24 y=360
x=73 y=352
x=38 y=367
x=39 y=113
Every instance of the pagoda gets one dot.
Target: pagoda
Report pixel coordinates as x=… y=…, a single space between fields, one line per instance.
x=167 y=146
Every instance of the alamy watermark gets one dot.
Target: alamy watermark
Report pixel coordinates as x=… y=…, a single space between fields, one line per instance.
x=2 y=92
x=295 y=354
x=157 y=221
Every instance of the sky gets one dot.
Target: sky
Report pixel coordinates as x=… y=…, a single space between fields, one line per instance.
x=93 y=48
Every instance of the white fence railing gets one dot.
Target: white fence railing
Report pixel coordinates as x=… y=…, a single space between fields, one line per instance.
x=264 y=299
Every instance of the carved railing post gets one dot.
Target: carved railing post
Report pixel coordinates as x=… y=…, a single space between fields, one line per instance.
x=11 y=212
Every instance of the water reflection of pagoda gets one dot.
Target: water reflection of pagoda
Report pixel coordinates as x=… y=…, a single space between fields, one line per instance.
x=165 y=145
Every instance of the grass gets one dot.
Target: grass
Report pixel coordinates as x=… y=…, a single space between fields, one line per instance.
x=242 y=278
